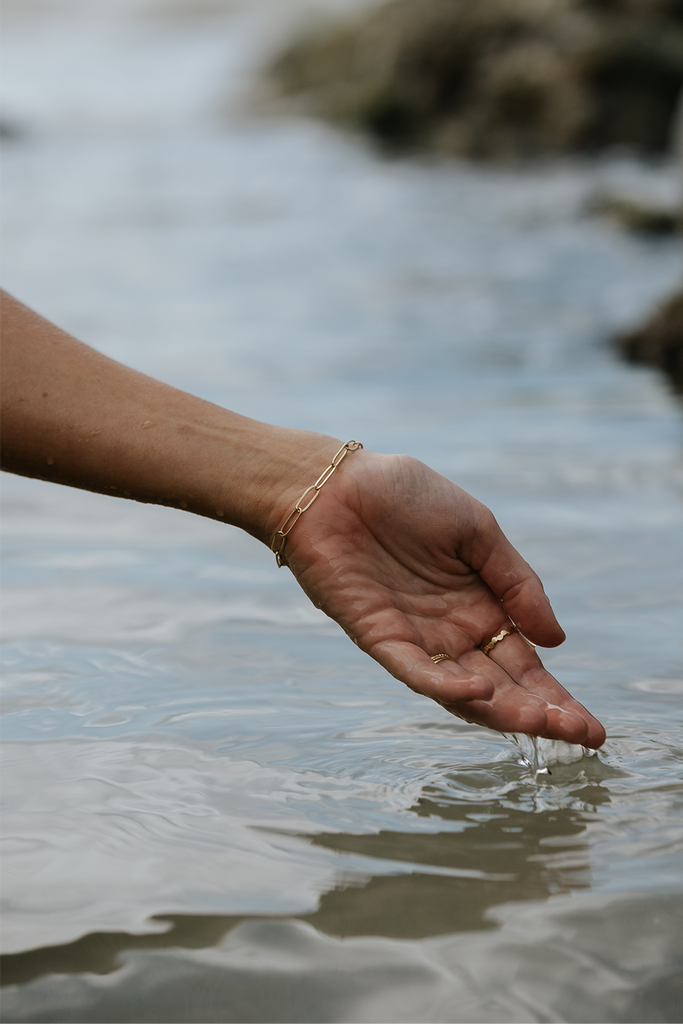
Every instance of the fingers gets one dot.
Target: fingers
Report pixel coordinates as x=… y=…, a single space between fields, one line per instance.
x=515 y=583
x=534 y=716
x=446 y=682
x=484 y=691
x=502 y=716
x=536 y=689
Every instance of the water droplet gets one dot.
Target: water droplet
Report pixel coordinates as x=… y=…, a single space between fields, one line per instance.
x=183 y=504
x=50 y=460
x=220 y=513
x=146 y=424
x=539 y=753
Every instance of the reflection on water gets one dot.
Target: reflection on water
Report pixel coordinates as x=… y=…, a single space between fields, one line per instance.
x=491 y=855
x=286 y=971
x=497 y=858
x=216 y=808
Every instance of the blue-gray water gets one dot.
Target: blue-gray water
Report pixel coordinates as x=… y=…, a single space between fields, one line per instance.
x=217 y=808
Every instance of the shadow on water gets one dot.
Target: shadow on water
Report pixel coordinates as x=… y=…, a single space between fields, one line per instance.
x=490 y=855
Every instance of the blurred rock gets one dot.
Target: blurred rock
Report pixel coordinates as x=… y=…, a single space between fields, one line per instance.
x=640 y=216
x=659 y=342
x=497 y=78
x=10 y=130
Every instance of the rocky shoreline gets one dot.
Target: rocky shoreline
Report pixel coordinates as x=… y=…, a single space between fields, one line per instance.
x=508 y=80
x=496 y=79
x=659 y=341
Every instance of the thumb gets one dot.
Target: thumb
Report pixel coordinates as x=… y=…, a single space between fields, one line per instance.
x=516 y=584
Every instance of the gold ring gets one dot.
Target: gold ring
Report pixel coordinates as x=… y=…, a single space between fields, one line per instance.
x=436 y=658
x=496 y=639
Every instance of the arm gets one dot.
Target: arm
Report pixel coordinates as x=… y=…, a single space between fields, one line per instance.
x=73 y=416
x=406 y=562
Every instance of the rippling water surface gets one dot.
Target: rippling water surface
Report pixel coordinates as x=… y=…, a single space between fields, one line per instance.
x=218 y=809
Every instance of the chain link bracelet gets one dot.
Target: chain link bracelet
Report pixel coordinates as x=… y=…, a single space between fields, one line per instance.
x=280 y=538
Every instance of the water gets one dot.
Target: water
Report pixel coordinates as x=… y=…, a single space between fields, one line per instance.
x=217 y=808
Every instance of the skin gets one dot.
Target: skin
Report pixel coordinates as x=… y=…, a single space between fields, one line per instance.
x=405 y=561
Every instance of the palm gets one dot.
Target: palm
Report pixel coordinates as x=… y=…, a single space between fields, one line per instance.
x=411 y=566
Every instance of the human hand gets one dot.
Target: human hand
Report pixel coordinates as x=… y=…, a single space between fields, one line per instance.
x=406 y=562
x=410 y=566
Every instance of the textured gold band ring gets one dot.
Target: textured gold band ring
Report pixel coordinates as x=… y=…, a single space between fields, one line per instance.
x=499 y=636
x=436 y=658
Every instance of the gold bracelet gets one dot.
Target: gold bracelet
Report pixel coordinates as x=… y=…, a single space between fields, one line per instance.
x=280 y=538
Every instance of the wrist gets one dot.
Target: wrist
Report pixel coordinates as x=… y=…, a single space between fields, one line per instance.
x=310 y=494
x=270 y=470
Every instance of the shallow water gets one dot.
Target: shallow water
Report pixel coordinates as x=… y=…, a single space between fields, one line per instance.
x=217 y=809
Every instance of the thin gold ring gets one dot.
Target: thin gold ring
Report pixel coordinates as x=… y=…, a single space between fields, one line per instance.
x=485 y=648
x=436 y=658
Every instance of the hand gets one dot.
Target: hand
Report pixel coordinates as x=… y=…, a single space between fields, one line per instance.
x=411 y=566
x=406 y=562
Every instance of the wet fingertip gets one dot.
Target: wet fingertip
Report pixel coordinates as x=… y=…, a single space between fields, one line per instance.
x=482 y=688
x=596 y=736
x=532 y=720
x=574 y=728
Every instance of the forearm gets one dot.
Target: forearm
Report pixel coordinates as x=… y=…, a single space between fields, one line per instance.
x=72 y=416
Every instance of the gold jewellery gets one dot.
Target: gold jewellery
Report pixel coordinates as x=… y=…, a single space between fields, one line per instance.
x=280 y=538
x=500 y=636
x=485 y=648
